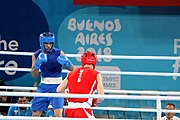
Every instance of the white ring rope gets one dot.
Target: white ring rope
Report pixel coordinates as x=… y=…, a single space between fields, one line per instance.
x=102 y=56
x=16 y=53
x=94 y=108
x=132 y=97
x=106 y=91
x=43 y=118
x=104 y=72
x=101 y=108
x=158 y=99
x=18 y=88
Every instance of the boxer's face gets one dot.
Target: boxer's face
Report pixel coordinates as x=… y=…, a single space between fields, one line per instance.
x=48 y=46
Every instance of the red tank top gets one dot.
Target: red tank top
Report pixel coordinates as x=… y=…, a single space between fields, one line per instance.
x=82 y=81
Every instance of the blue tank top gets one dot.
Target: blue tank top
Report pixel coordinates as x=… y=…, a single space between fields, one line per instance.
x=51 y=68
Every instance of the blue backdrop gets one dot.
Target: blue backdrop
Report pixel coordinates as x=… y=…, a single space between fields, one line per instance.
x=146 y=31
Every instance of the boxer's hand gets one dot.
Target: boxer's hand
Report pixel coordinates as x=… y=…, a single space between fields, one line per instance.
x=99 y=100
x=63 y=60
x=42 y=58
x=96 y=101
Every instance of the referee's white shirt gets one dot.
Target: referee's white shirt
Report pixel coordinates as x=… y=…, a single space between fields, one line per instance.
x=174 y=118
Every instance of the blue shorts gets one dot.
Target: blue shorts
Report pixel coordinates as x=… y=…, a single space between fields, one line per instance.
x=42 y=103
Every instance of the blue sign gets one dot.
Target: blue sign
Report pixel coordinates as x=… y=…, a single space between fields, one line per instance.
x=20 y=25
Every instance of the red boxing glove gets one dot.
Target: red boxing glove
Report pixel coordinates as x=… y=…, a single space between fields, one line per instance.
x=94 y=102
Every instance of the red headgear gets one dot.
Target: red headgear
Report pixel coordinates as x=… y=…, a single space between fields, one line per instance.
x=89 y=58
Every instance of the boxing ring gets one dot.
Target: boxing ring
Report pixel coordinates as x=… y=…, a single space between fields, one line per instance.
x=114 y=94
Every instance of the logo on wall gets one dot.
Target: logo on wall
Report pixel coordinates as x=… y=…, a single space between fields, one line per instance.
x=20 y=25
x=94 y=33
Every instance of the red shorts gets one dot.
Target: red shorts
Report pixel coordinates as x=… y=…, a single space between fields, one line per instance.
x=79 y=113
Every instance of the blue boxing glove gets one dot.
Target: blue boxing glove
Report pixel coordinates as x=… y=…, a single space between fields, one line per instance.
x=63 y=60
x=42 y=58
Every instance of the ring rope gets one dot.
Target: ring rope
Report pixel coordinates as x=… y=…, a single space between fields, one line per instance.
x=132 y=97
x=104 y=72
x=95 y=108
x=101 y=108
x=106 y=91
x=158 y=98
x=44 y=118
x=102 y=56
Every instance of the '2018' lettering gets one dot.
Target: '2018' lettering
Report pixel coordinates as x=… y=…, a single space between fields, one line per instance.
x=105 y=51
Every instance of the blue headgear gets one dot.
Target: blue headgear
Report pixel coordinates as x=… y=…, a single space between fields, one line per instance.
x=46 y=37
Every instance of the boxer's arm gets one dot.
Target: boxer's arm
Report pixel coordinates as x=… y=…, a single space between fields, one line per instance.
x=100 y=88
x=63 y=86
x=34 y=72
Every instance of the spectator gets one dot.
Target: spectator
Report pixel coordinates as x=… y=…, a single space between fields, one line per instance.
x=20 y=111
x=3 y=110
x=3 y=99
x=170 y=115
